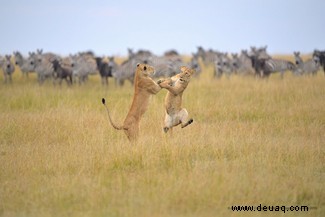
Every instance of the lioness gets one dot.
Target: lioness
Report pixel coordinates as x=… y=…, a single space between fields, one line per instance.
x=176 y=85
x=144 y=87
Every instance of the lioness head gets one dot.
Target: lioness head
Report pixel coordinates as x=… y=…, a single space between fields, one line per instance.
x=145 y=70
x=186 y=74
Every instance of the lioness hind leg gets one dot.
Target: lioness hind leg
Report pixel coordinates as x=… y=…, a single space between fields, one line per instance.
x=168 y=123
x=187 y=123
x=184 y=118
x=132 y=132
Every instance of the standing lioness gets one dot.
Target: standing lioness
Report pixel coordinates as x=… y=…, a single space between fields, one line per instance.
x=176 y=85
x=144 y=87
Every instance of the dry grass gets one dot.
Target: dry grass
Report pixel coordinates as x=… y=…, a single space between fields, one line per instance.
x=252 y=142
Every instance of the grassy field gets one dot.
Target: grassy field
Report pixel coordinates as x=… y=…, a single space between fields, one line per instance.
x=252 y=142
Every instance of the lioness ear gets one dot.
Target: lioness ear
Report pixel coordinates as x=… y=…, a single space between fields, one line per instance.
x=145 y=68
x=138 y=64
x=183 y=68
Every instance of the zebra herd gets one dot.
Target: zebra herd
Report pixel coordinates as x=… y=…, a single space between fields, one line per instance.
x=259 y=63
x=78 y=67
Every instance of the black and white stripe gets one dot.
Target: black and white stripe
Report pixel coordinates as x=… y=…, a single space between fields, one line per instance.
x=321 y=56
x=310 y=66
x=7 y=67
x=83 y=65
x=42 y=65
x=276 y=65
x=23 y=63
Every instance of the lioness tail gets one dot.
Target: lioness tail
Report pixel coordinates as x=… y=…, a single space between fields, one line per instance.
x=109 y=117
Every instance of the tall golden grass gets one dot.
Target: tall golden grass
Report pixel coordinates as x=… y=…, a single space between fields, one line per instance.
x=252 y=142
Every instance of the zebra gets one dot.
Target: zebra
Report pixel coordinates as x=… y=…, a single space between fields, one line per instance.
x=305 y=67
x=235 y=63
x=23 y=63
x=42 y=65
x=82 y=66
x=105 y=68
x=223 y=65
x=8 y=68
x=321 y=56
x=61 y=72
x=275 y=65
x=258 y=58
x=242 y=64
x=124 y=72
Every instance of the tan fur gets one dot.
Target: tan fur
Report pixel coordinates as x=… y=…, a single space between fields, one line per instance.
x=176 y=85
x=144 y=87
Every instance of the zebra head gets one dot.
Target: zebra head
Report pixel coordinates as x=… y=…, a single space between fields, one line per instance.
x=31 y=61
x=262 y=53
x=235 y=63
x=259 y=53
x=7 y=66
x=316 y=59
x=18 y=58
x=7 y=62
x=298 y=59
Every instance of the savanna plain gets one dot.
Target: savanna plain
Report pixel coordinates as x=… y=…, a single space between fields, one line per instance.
x=253 y=141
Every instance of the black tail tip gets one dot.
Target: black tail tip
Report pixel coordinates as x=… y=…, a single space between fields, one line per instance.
x=103 y=101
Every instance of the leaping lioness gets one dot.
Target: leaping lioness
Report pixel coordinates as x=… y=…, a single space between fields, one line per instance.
x=144 y=87
x=176 y=85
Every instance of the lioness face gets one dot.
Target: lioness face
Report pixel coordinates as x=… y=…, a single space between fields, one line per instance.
x=145 y=69
x=186 y=74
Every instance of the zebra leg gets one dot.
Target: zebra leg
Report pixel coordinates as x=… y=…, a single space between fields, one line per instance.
x=69 y=80
x=5 y=77
x=80 y=79
x=41 y=80
x=282 y=74
x=54 y=81
x=119 y=82
x=102 y=80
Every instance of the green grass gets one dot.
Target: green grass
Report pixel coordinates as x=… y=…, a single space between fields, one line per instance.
x=252 y=142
